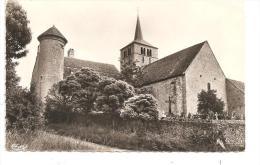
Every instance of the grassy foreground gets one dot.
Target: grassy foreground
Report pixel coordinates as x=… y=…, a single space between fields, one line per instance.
x=134 y=141
x=46 y=141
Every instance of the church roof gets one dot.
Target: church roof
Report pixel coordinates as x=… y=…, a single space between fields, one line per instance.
x=170 y=66
x=53 y=31
x=104 y=69
x=238 y=84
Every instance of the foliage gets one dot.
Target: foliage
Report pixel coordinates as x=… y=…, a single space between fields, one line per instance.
x=209 y=104
x=23 y=110
x=143 y=106
x=144 y=90
x=132 y=74
x=18 y=33
x=113 y=93
x=77 y=93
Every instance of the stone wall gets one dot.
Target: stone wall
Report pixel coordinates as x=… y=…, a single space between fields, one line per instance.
x=49 y=65
x=204 y=70
x=235 y=100
x=173 y=88
x=136 y=56
x=189 y=135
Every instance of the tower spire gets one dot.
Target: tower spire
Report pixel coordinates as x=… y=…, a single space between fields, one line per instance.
x=138 y=30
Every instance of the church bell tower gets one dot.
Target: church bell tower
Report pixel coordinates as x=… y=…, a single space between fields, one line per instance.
x=138 y=51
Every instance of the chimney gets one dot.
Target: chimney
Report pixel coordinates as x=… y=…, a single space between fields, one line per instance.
x=71 y=53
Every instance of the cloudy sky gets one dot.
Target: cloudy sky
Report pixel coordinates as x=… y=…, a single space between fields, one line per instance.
x=96 y=30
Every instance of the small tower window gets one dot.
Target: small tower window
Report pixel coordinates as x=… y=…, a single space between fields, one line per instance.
x=129 y=51
x=142 y=50
x=200 y=75
x=209 y=86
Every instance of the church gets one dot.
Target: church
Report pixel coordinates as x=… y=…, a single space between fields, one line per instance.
x=175 y=80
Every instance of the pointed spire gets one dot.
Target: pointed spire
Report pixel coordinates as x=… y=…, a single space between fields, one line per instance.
x=138 y=31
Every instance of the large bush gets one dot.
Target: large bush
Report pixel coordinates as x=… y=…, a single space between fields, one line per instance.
x=23 y=110
x=143 y=106
x=77 y=93
x=113 y=93
x=84 y=92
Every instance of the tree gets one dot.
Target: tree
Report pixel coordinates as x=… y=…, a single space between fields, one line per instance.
x=113 y=93
x=22 y=106
x=77 y=93
x=132 y=74
x=143 y=106
x=18 y=33
x=209 y=104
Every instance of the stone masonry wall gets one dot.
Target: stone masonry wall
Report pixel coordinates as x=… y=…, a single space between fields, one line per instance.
x=235 y=100
x=49 y=65
x=204 y=70
x=173 y=87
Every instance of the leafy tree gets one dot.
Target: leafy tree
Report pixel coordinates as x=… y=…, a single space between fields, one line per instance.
x=132 y=74
x=113 y=93
x=18 y=33
x=143 y=106
x=209 y=104
x=22 y=106
x=77 y=93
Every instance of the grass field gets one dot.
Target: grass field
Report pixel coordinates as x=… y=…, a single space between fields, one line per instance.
x=46 y=141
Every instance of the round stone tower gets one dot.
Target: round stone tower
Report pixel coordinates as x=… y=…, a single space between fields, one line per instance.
x=49 y=64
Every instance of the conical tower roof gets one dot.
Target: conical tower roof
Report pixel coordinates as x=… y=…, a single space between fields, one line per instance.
x=53 y=31
x=138 y=30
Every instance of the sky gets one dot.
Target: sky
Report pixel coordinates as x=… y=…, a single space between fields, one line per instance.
x=97 y=30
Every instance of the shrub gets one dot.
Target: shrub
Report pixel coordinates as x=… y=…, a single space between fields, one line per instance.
x=143 y=106
x=209 y=104
x=76 y=94
x=23 y=110
x=112 y=95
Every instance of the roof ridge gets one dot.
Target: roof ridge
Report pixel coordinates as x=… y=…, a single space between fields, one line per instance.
x=89 y=61
x=175 y=54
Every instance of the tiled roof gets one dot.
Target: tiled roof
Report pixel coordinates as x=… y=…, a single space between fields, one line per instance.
x=238 y=84
x=170 y=66
x=104 y=69
x=53 y=31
